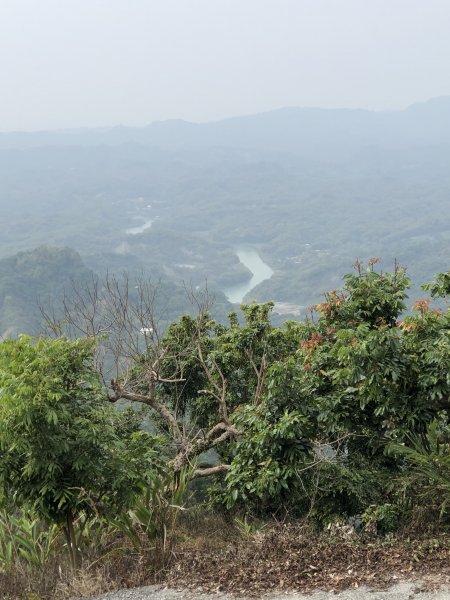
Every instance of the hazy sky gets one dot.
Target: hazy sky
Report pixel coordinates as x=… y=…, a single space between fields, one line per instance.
x=72 y=63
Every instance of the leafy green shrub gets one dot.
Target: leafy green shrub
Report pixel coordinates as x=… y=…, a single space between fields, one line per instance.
x=383 y=518
x=151 y=522
x=427 y=458
x=269 y=461
x=26 y=539
x=64 y=451
x=345 y=487
x=358 y=374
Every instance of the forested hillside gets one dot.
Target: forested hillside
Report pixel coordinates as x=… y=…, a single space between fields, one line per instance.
x=35 y=285
x=310 y=190
x=32 y=279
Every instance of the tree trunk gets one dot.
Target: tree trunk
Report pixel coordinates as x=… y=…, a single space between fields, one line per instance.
x=74 y=554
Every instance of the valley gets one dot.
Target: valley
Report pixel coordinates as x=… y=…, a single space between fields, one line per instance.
x=289 y=186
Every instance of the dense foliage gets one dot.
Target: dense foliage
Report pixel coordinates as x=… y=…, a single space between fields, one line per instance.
x=359 y=377
x=316 y=402
x=344 y=415
x=64 y=451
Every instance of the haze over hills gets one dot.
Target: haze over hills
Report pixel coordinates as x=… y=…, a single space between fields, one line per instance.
x=307 y=131
x=309 y=190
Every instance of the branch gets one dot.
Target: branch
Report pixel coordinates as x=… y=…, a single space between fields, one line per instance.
x=216 y=435
x=261 y=377
x=206 y=472
x=210 y=440
x=151 y=401
x=221 y=395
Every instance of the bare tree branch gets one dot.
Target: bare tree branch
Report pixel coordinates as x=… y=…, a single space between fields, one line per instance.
x=150 y=400
x=120 y=315
x=207 y=472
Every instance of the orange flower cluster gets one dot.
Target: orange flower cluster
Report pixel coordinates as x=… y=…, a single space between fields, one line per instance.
x=312 y=343
x=335 y=299
x=422 y=305
x=324 y=308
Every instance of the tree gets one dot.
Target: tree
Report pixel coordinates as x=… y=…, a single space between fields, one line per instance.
x=277 y=402
x=358 y=377
x=64 y=451
x=140 y=365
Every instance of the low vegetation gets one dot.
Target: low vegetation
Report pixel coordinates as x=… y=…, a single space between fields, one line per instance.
x=130 y=454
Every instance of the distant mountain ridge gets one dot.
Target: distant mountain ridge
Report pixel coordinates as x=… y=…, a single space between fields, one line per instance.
x=298 y=130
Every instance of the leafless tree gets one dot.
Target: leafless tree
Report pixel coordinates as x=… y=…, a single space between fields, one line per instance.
x=121 y=316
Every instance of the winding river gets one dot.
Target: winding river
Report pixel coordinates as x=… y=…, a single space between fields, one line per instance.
x=260 y=272
x=139 y=228
x=248 y=256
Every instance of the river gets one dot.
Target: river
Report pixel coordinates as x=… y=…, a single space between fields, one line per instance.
x=139 y=228
x=260 y=272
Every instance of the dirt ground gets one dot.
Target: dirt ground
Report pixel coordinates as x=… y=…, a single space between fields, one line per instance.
x=401 y=591
x=289 y=561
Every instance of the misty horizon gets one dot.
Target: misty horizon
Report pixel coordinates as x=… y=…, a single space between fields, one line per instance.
x=77 y=65
x=225 y=118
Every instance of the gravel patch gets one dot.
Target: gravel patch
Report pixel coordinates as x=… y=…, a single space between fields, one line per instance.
x=401 y=591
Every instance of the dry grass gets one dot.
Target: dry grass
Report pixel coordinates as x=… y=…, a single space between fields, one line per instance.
x=108 y=577
x=198 y=527
x=120 y=568
x=114 y=565
x=213 y=553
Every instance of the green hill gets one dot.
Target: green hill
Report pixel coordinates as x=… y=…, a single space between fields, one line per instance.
x=34 y=278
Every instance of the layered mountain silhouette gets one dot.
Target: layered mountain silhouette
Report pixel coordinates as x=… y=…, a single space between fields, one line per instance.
x=305 y=131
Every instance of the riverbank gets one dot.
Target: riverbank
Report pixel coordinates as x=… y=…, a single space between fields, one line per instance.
x=139 y=228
